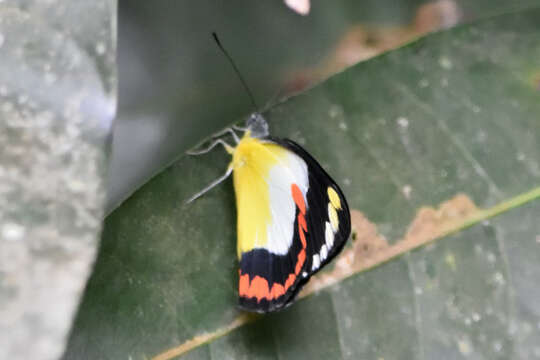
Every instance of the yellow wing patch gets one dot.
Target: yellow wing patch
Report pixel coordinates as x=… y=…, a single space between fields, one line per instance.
x=252 y=161
x=333 y=216
x=334 y=198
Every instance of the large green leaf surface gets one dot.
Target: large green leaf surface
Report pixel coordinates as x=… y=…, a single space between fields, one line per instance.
x=455 y=112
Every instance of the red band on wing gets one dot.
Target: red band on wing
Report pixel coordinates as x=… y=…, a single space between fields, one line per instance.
x=243 y=285
x=302 y=226
x=301 y=232
x=300 y=261
x=258 y=287
x=277 y=291
x=302 y=222
x=298 y=198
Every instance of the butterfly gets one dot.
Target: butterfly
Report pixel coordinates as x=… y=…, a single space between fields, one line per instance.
x=292 y=217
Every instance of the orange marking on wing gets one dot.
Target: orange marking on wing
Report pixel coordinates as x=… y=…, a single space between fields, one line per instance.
x=243 y=284
x=298 y=198
x=277 y=291
x=302 y=222
x=259 y=288
x=302 y=237
x=300 y=262
x=290 y=281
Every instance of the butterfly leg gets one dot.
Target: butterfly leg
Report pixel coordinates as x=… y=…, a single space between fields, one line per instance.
x=211 y=185
x=225 y=131
x=240 y=128
x=227 y=147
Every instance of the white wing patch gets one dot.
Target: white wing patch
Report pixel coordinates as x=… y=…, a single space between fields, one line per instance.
x=331 y=229
x=316 y=262
x=290 y=170
x=324 y=252
x=329 y=235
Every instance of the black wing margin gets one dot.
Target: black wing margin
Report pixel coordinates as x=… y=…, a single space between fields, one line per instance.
x=318 y=214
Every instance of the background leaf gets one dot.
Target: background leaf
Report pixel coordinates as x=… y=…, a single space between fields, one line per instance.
x=170 y=69
x=57 y=102
x=455 y=112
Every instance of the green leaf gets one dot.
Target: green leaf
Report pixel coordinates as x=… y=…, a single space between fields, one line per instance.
x=451 y=119
x=57 y=102
x=169 y=75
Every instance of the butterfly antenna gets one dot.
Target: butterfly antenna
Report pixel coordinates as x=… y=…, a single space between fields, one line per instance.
x=255 y=107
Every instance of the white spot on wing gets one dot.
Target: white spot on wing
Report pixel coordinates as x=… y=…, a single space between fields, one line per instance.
x=316 y=262
x=329 y=235
x=324 y=252
x=332 y=215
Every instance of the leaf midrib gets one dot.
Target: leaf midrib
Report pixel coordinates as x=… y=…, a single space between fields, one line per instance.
x=473 y=219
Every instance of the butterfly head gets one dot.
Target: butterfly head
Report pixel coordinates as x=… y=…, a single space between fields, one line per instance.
x=257 y=125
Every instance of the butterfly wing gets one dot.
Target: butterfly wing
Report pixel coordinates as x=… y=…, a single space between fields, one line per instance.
x=292 y=219
x=328 y=216
x=270 y=185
